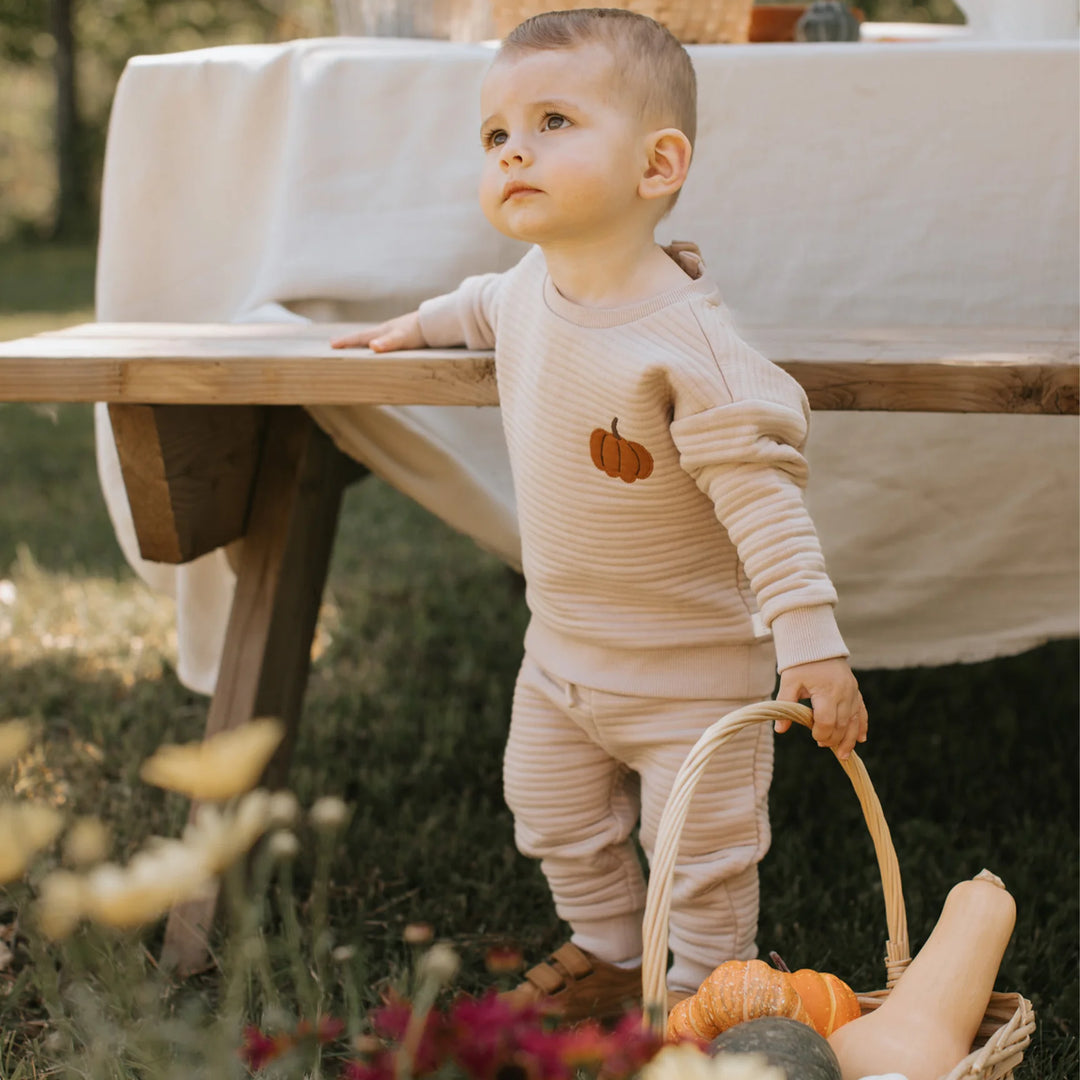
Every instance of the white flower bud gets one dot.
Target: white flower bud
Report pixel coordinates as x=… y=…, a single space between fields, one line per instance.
x=284 y=845
x=417 y=933
x=329 y=812
x=284 y=808
x=440 y=963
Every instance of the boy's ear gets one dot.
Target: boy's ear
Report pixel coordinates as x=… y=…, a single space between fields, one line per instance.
x=669 y=154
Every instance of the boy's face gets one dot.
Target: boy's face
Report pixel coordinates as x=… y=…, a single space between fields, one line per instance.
x=562 y=156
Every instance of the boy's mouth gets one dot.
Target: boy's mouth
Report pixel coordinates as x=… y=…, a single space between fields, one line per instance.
x=516 y=187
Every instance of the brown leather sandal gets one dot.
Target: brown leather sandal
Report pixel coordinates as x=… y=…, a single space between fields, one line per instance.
x=576 y=985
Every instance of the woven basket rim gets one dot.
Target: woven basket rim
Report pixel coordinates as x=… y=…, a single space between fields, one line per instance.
x=1004 y=1046
x=691 y=21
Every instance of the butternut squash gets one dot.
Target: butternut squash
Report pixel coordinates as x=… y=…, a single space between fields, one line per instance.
x=926 y=1025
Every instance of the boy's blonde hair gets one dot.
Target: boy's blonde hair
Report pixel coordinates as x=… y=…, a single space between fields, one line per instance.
x=650 y=62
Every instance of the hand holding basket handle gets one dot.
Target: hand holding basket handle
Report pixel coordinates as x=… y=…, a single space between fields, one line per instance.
x=971 y=936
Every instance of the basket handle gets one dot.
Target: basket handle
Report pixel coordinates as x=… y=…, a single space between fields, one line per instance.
x=658 y=897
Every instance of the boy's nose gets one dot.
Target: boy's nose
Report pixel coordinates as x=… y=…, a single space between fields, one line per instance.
x=514 y=153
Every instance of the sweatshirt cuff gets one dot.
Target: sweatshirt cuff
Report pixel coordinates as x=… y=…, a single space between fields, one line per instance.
x=440 y=322
x=804 y=635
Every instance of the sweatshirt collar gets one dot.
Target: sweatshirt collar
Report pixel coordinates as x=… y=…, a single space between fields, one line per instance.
x=618 y=316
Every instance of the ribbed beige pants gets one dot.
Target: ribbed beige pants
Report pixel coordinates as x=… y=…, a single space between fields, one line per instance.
x=582 y=765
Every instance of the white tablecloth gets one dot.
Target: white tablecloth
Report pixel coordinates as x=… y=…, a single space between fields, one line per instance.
x=856 y=185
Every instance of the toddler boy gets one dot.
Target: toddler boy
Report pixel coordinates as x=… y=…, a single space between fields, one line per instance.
x=658 y=470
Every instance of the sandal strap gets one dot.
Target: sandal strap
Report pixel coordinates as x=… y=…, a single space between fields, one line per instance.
x=566 y=964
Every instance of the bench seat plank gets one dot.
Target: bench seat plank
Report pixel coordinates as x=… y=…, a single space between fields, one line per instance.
x=913 y=369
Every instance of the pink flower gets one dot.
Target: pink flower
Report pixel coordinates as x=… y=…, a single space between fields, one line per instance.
x=494 y=1013
x=392 y=1018
x=258 y=1049
x=489 y=1039
x=379 y=1067
x=543 y=1055
x=489 y=1034
x=391 y=1022
x=630 y=1044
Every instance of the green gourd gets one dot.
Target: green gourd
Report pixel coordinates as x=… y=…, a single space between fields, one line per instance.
x=827 y=20
x=790 y=1045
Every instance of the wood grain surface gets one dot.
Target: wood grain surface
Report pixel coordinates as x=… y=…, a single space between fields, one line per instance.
x=915 y=369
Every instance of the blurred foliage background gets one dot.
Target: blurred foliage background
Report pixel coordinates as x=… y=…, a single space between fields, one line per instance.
x=60 y=61
x=50 y=172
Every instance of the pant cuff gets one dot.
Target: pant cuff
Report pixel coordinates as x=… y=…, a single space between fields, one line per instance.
x=613 y=939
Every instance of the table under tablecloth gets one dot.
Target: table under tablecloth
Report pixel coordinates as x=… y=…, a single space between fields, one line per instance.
x=859 y=185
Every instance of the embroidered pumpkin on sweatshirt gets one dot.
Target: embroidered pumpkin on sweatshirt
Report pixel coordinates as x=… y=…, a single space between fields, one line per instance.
x=620 y=457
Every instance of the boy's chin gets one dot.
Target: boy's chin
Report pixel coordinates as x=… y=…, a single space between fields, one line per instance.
x=525 y=235
x=532 y=232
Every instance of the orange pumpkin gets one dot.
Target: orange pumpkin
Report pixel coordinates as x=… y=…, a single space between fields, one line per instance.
x=741 y=990
x=737 y=990
x=830 y=1002
x=620 y=457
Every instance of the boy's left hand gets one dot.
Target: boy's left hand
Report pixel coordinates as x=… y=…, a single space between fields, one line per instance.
x=839 y=713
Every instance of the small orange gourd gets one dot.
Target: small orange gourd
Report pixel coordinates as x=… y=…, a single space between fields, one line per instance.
x=737 y=990
x=829 y=1000
x=926 y=1025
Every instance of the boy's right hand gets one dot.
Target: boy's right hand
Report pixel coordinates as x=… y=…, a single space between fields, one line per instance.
x=400 y=333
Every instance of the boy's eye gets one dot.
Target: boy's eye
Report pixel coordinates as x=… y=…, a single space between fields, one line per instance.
x=554 y=121
x=493 y=138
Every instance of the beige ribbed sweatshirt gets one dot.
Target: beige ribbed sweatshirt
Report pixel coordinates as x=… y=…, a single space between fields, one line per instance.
x=658 y=470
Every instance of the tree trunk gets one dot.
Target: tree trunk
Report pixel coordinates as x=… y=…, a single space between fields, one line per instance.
x=72 y=212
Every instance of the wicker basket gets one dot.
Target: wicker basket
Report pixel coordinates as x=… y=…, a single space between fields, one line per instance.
x=691 y=21
x=1009 y=1021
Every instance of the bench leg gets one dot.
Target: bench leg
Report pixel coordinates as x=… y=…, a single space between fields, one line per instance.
x=282 y=569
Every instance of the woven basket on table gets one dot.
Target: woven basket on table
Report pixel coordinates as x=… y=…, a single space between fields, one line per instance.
x=1009 y=1021
x=691 y=21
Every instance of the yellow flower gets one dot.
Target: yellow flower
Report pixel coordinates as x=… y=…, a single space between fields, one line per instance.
x=157 y=878
x=62 y=903
x=684 y=1061
x=220 y=837
x=87 y=842
x=220 y=767
x=25 y=828
x=14 y=739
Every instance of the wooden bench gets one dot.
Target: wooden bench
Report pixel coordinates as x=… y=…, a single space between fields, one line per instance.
x=214 y=445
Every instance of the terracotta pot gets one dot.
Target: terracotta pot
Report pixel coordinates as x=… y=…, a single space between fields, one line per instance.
x=775 y=22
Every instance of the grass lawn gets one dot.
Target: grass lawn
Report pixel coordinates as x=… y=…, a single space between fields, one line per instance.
x=405 y=719
x=45 y=288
